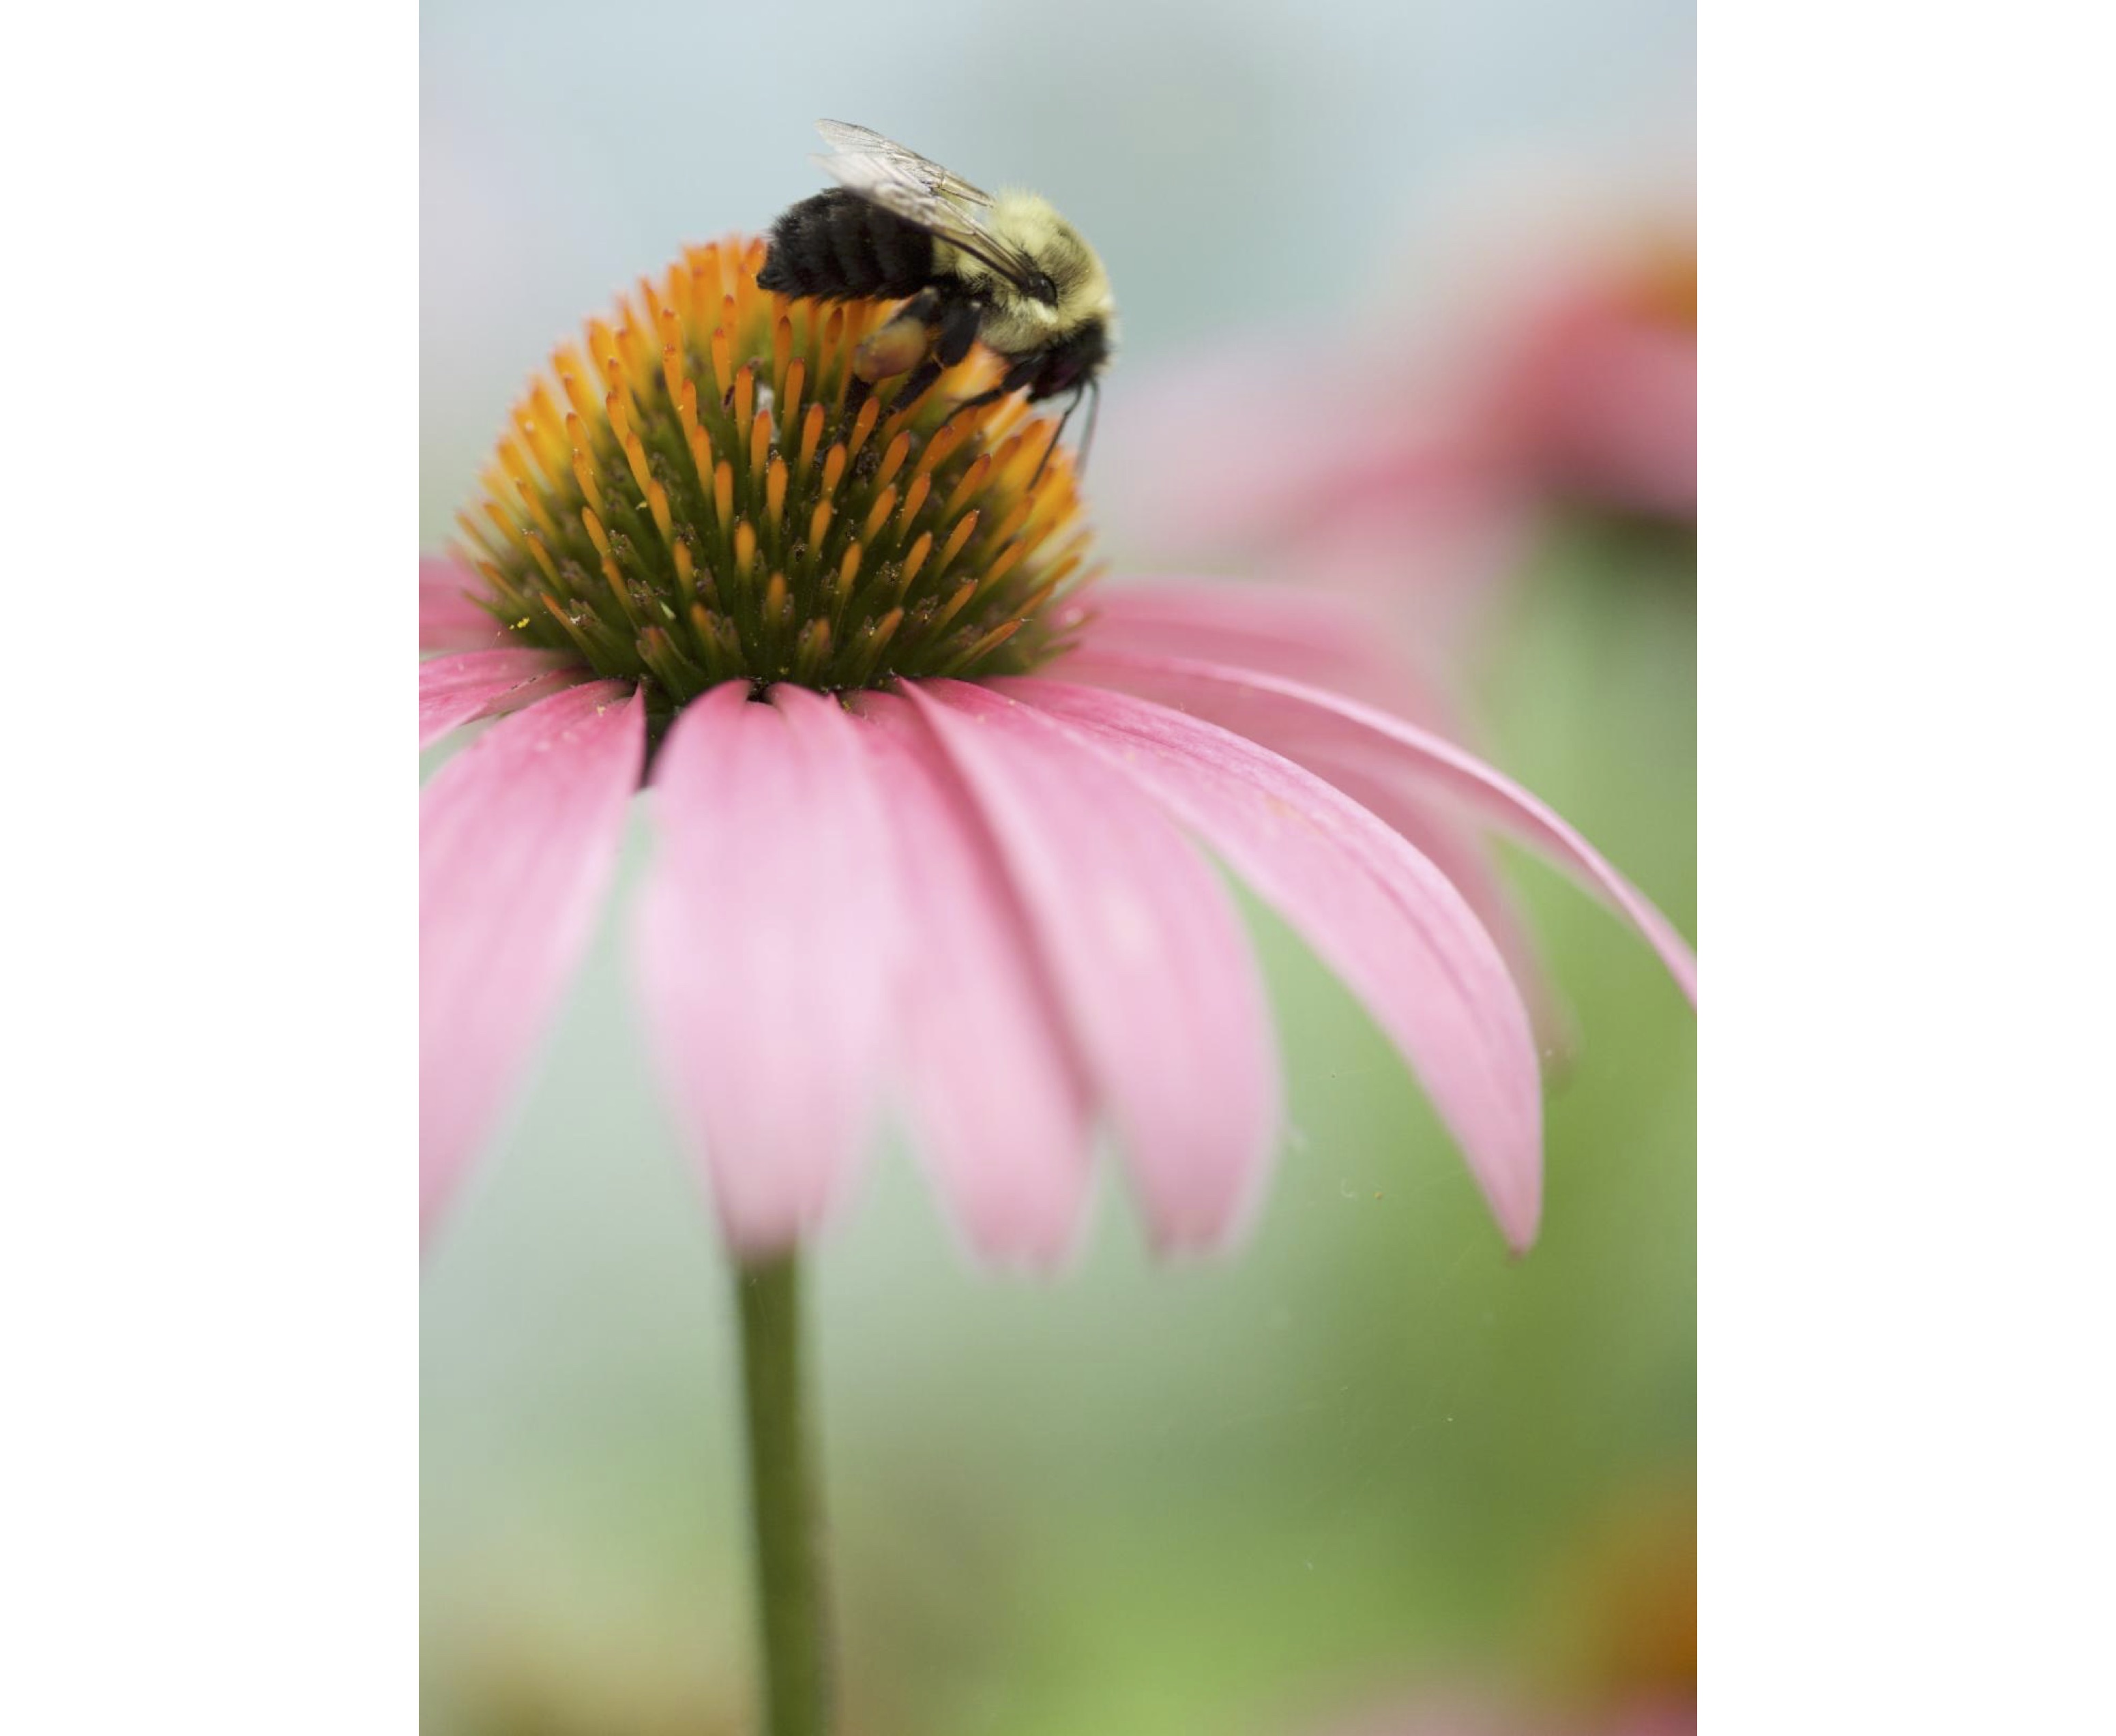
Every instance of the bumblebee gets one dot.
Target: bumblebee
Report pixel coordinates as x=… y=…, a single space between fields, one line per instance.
x=1004 y=268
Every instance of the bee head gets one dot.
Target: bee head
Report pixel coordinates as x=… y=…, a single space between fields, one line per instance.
x=1068 y=288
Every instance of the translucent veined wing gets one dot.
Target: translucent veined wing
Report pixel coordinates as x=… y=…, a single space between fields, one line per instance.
x=876 y=162
x=920 y=192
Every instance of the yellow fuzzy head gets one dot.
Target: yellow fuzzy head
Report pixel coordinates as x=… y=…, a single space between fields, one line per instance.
x=1018 y=323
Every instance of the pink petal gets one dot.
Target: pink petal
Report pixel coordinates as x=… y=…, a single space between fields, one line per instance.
x=518 y=836
x=1147 y=951
x=449 y=620
x=1331 y=735
x=1327 y=642
x=1378 y=913
x=454 y=691
x=1458 y=850
x=996 y=1092
x=766 y=945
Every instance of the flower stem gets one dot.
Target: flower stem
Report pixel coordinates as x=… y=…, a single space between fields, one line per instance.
x=783 y=1503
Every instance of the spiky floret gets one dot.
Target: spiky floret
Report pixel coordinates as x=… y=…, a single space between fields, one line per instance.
x=703 y=491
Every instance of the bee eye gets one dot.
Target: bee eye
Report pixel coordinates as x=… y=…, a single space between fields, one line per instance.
x=1043 y=289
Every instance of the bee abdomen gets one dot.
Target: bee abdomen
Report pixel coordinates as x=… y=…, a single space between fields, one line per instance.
x=837 y=246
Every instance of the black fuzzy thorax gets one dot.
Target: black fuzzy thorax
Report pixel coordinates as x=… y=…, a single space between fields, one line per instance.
x=838 y=246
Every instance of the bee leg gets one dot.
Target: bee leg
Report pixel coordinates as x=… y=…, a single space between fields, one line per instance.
x=948 y=339
x=858 y=391
x=978 y=403
x=924 y=307
x=915 y=385
x=1058 y=433
x=956 y=329
x=1021 y=374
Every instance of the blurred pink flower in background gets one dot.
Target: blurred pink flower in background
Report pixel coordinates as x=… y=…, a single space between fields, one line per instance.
x=1335 y=465
x=1414 y=453
x=1589 y=391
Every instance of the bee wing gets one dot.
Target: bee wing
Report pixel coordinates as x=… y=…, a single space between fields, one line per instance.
x=866 y=161
x=922 y=192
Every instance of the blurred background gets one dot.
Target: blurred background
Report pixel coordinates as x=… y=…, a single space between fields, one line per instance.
x=1369 y=1472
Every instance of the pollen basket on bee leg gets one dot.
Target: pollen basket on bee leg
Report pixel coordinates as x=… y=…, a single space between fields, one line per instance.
x=897 y=348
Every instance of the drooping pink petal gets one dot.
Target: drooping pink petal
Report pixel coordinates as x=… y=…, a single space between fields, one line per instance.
x=1328 y=643
x=767 y=946
x=1378 y=913
x=1460 y=850
x=449 y=620
x=1330 y=734
x=457 y=690
x=1148 y=953
x=995 y=1090
x=518 y=836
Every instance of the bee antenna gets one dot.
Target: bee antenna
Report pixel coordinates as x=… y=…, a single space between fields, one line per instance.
x=1094 y=387
x=1058 y=434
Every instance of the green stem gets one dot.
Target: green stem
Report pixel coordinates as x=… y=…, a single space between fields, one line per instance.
x=783 y=1503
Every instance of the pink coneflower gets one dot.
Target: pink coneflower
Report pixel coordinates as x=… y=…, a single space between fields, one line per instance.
x=936 y=821
x=930 y=805
x=1590 y=389
x=1419 y=457
x=1376 y=482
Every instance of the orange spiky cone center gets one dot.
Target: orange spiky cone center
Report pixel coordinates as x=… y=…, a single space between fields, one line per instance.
x=702 y=492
